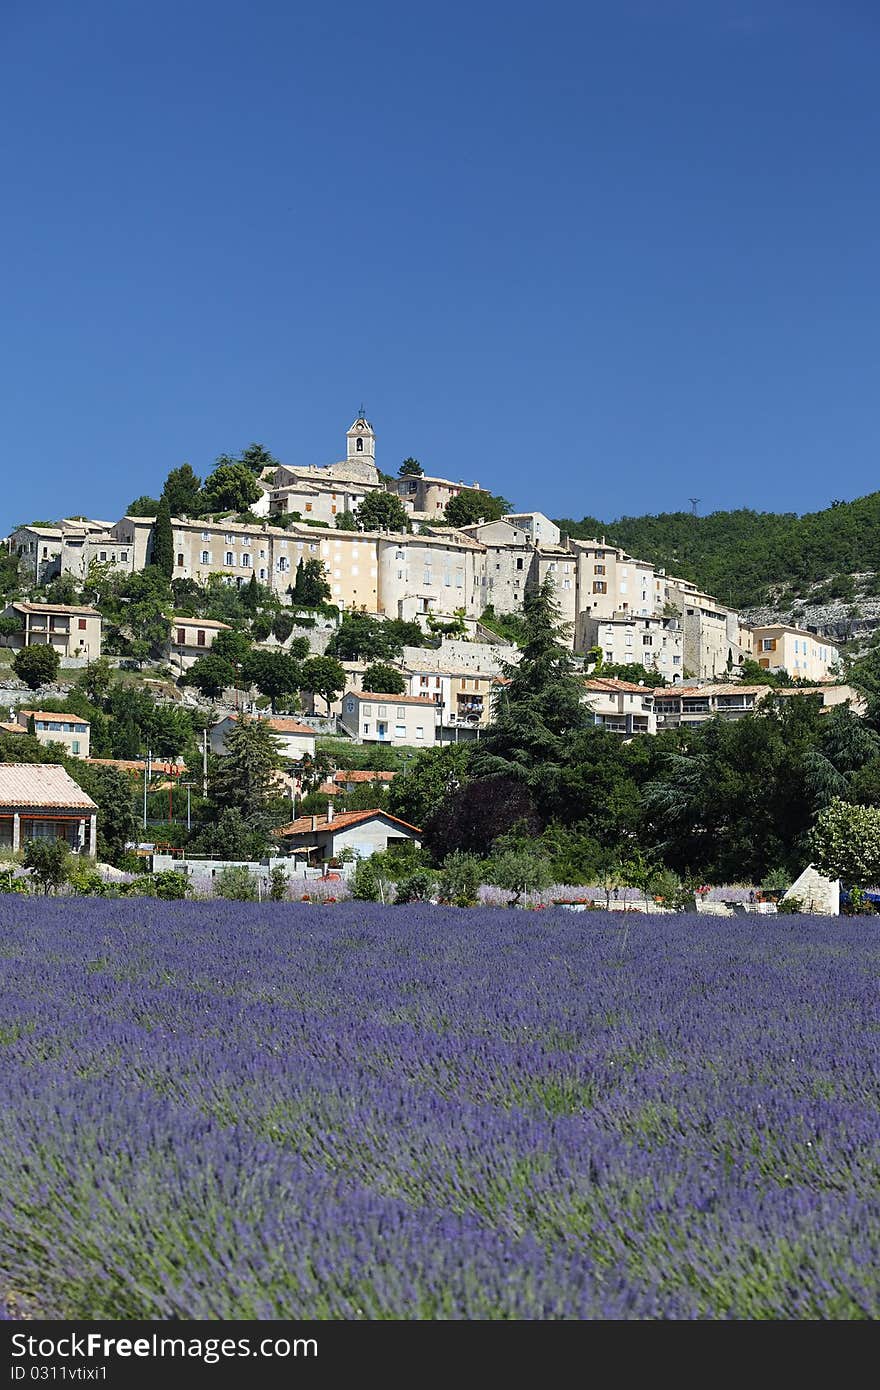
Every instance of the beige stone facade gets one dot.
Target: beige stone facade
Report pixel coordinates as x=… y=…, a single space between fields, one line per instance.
x=621 y=707
x=655 y=642
x=74 y=631
x=72 y=732
x=802 y=654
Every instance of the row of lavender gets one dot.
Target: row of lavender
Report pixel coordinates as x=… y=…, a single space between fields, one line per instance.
x=231 y=1110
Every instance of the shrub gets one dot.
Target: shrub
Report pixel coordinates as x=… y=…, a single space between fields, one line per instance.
x=169 y=884
x=416 y=887
x=49 y=862
x=460 y=878
x=85 y=880
x=237 y=883
x=277 y=884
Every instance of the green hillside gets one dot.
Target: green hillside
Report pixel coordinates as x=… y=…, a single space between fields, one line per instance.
x=738 y=556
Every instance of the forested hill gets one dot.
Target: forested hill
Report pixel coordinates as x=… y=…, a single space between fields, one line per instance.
x=744 y=557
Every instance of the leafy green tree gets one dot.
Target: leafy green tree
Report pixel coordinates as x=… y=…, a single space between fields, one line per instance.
x=324 y=676
x=434 y=776
x=36 y=666
x=460 y=879
x=211 y=674
x=228 y=836
x=245 y=774
x=282 y=626
x=411 y=468
x=96 y=679
x=383 y=679
x=382 y=511
x=261 y=627
x=360 y=637
x=162 y=553
x=9 y=572
x=257 y=458
x=111 y=792
x=143 y=506
x=346 y=521
x=472 y=505
x=519 y=866
x=232 y=646
x=170 y=885
x=277 y=884
x=10 y=627
x=49 y=862
x=310 y=588
x=231 y=487
x=275 y=674
x=183 y=492
x=845 y=843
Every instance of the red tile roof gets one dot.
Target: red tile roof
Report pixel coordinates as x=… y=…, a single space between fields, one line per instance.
x=43 y=785
x=303 y=824
x=613 y=686
x=362 y=775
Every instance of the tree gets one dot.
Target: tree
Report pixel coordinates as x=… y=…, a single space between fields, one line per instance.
x=257 y=458
x=232 y=487
x=310 y=587
x=275 y=674
x=110 y=790
x=36 y=666
x=162 y=553
x=9 y=627
x=96 y=679
x=362 y=638
x=382 y=511
x=143 y=506
x=232 y=646
x=472 y=505
x=383 y=679
x=346 y=521
x=845 y=843
x=211 y=675
x=518 y=865
x=229 y=836
x=411 y=468
x=282 y=626
x=245 y=774
x=183 y=491
x=49 y=861
x=324 y=676
x=434 y=776
x=250 y=595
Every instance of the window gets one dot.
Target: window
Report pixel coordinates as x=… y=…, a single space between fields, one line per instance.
x=246 y=561
x=179 y=558
x=103 y=555
x=366 y=728
x=181 y=636
x=360 y=446
x=206 y=558
x=74 y=747
x=206 y=535
x=400 y=731
x=228 y=539
x=230 y=558
x=420 y=732
x=308 y=506
x=599 y=587
x=401 y=712
x=598 y=569
x=520 y=562
x=383 y=711
x=566 y=583
x=200 y=637
x=367 y=711
x=647 y=640
x=79 y=728
x=82 y=624
x=423 y=680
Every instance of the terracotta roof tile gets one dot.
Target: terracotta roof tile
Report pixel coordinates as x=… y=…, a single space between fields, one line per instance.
x=303 y=824
x=42 y=785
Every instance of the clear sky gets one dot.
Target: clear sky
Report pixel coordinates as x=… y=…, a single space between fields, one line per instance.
x=601 y=257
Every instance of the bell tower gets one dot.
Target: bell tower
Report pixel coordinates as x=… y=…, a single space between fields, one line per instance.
x=361 y=442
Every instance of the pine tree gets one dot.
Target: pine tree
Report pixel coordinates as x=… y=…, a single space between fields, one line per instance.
x=163 y=540
x=245 y=774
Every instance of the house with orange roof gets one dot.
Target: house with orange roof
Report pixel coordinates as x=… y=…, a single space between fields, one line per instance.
x=70 y=730
x=321 y=838
x=400 y=720
x=621 y=707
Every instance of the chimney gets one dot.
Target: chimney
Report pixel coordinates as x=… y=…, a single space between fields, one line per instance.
x=329 y=810
x=314 y=823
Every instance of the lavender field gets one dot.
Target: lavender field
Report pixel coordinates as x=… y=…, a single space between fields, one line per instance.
x=225 y=1110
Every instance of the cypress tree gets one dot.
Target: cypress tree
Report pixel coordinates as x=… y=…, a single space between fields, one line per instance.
x=163 y=540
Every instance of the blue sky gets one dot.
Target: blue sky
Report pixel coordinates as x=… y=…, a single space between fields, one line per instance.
x=599 y=257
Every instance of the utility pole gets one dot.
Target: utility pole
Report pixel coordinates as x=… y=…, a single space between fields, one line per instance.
x=148 y=768
x=204 y=762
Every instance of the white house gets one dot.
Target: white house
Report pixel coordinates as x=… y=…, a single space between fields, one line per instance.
x=401 y=720
x=319 y=838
